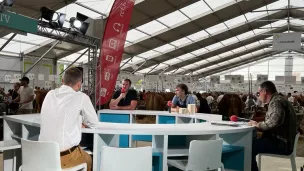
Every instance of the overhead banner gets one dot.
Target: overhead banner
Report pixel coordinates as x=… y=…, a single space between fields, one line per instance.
x=286 y=41
x=112 y=48
x=215 y=79
x=261 y=78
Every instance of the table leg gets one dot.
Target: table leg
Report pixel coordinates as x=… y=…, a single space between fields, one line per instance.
x=11 y=158
x=99 y=141
x=161 y=142
x=243 y=139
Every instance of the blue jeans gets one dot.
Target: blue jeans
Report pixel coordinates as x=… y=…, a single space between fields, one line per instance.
x=270 y=145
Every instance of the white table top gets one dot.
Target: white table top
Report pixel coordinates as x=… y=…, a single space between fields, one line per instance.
x=143 y=129
x=203 y=116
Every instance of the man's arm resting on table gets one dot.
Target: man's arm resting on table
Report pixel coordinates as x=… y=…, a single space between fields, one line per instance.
x=276 y=118
x=114 y=102
x=132 y=106
x=174 y=108
x=89 y=114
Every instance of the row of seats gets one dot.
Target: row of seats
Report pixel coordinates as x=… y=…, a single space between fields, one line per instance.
x=46 y=157
x=203 y=155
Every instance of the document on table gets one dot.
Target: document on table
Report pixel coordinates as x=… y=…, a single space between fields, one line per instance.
x=228 y=123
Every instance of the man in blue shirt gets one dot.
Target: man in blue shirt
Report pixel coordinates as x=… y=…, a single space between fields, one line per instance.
x=182 y=98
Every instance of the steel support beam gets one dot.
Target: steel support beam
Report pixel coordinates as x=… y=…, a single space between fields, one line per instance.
x=92 y=68
x=7 y=42
x=126 y=62
x=295 y=8
x=164 y=70
x=174 y=71
x=55 y=44
x=91 y=9
x=153 y=68
x=139 y=67
x=288 y=16
x=74 y=61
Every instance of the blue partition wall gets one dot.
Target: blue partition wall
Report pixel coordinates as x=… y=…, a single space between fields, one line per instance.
x=117 y=118
x=232 y=156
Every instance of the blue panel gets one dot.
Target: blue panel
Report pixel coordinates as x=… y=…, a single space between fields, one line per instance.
x=157 y=162
x=117 y=118
x=114 y=118
x=173 y=169
x=177 y=141
x=166 y=119
x=233 y=157
x=147 y=138
x=232 y=148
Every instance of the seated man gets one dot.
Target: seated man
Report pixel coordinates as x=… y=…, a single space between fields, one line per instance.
x=182 y=98
x=63 y=112
x=279 y=127
x=125 y=98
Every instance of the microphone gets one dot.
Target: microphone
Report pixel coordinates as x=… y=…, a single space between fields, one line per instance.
x=123 y=90
x=235 y=118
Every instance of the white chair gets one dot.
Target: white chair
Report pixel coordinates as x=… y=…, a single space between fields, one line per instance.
x=292 y=156
x=203 y=156
x=126 y=159
x=43 y=156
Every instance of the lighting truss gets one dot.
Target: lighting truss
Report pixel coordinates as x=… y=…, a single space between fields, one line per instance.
x=66 y=35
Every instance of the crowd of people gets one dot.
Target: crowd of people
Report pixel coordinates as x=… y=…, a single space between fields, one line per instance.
x=66 y=110
x=279 y=125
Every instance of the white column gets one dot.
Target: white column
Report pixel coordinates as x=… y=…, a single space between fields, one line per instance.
x=288 y=66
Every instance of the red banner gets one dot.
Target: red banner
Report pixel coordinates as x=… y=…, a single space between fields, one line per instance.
x=113 y=43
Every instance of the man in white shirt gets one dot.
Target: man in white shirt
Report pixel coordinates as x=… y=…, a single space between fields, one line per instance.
x=25 y=98
x=290 y=98
x=220 y=97
x=63 y=113
x=210 y=99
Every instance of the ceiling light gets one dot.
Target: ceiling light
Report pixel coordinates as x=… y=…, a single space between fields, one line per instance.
x=8 y=2
x=48 y=14
x=79 y=23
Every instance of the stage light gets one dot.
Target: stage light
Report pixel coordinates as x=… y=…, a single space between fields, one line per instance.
x=79 y=24
x=55 y=19
x=75 y=23
x=48 y=14
x=8 y=3
x=55 y=16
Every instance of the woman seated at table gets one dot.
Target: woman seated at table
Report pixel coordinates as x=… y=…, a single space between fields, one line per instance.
x=182 y=98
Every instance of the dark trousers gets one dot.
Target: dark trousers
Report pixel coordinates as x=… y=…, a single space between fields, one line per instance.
x=270 y=145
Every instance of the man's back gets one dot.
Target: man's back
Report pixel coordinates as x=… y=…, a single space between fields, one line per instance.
x=209 y=99
x=62 y=114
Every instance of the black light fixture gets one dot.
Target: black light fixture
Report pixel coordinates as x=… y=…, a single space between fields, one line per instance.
x=6 y=4
x=78 y=23
x=55 y=19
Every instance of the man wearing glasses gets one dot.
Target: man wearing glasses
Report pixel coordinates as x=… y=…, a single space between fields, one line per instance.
x=279 y=127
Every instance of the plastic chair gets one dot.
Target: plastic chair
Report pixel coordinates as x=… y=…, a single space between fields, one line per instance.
x=126 y=159
x=38 y=156
x=292 y=156
x=203 y=156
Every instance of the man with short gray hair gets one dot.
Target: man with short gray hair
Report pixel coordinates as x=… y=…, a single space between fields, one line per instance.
x=279 y=127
